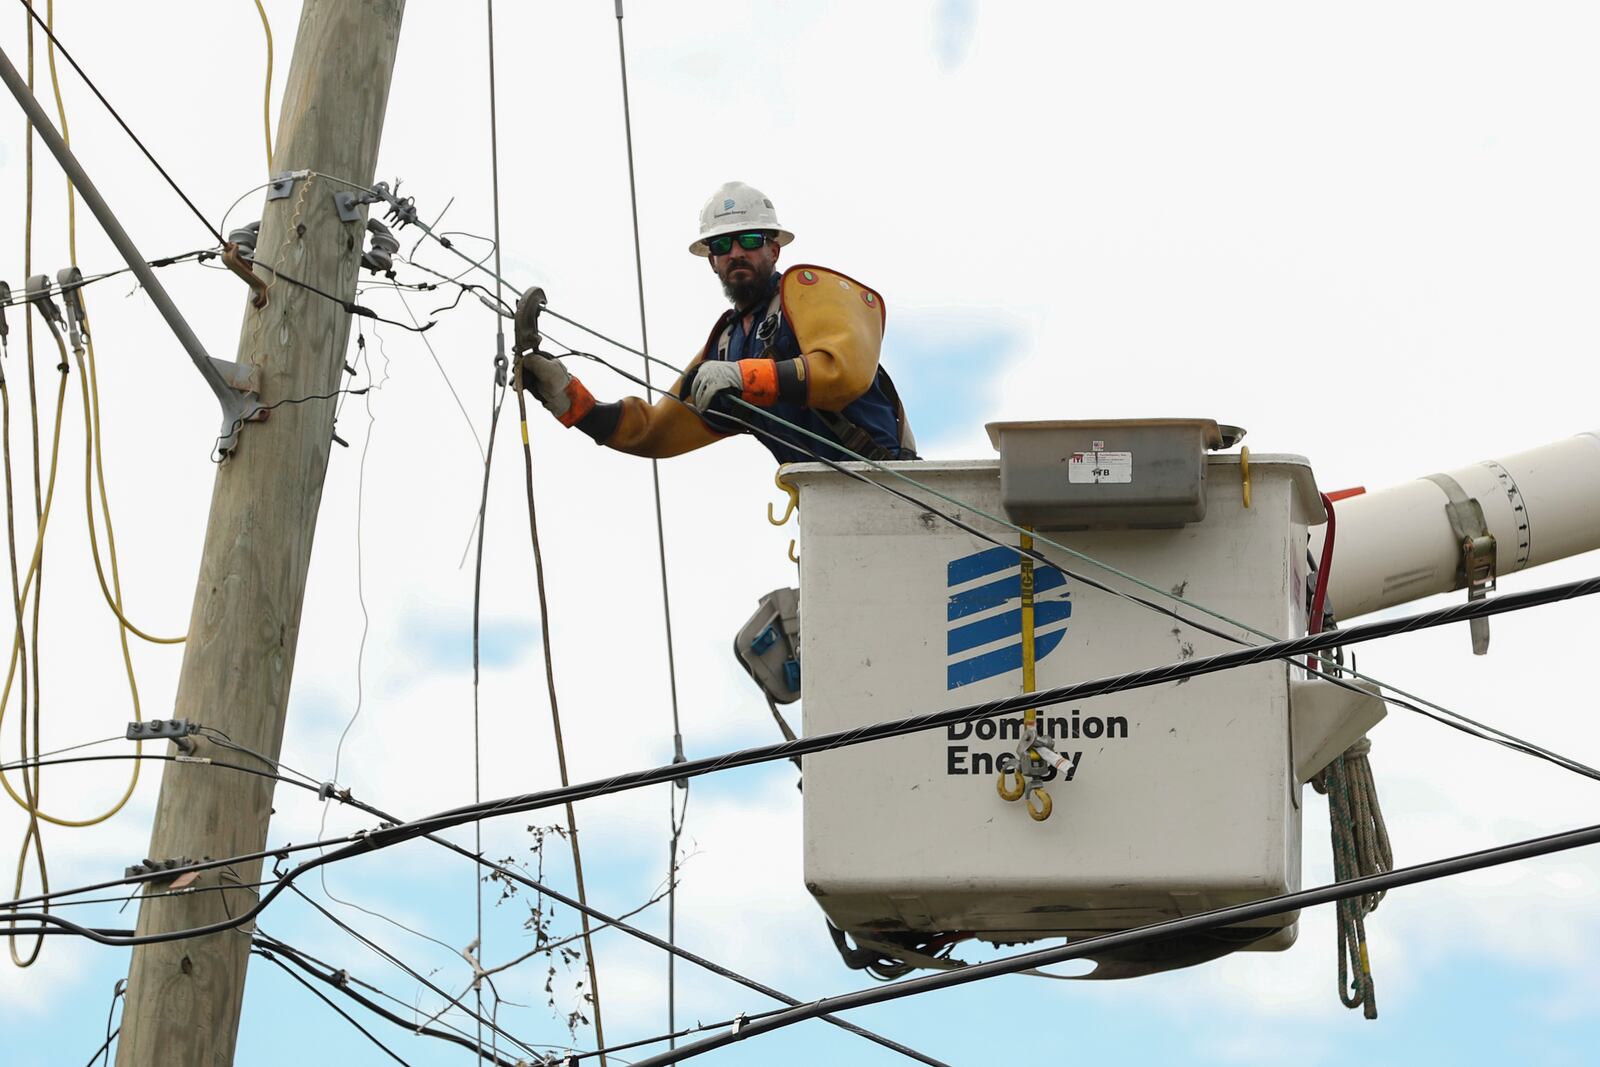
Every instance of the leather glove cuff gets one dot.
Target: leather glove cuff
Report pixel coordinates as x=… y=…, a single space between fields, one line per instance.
x=579 y=403
x=759 y=381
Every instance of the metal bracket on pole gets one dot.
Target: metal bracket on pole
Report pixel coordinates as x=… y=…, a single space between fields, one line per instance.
x=1476 y=571
x=283 y=184
x=237 y=408
x=348 y=204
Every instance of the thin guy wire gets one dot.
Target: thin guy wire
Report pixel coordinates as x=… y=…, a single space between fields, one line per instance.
x=1035 y=554
x=674 y=825
x=344 y=982
x=366 y=618
x=500 y=367
x=94 y=89
x=391 y=958
x=393 y=833
x=1209 y=919
x=269 y=955
x=1143 y=678
x=477 y=754
x=617 y=923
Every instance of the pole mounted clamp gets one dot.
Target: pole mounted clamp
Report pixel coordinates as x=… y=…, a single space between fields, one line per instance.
x=177 y=731
x=39 y=296
x=402 y=209
x=1476 y=569
x=70 y=279
x=149 y=866
x=283 y=184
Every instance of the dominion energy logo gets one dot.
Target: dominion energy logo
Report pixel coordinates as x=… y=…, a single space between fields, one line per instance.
x=984 y=620
x=984 y=640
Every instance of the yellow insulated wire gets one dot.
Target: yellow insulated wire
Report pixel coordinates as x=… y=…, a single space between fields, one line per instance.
x=30 y=779
x=266 y=96
x=27 y=584
x=92 y=451
x=92 y=402
x=30 y=782
x=94 y=473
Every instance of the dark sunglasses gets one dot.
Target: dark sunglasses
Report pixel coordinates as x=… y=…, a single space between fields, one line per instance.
x=721 y=246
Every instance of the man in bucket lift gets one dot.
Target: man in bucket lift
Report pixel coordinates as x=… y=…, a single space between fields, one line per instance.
x=801 y=344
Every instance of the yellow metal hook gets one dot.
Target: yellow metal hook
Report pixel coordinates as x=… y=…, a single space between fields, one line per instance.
x=1010 y=794
x=792 y=557
x=1244 y=472
x=794 y=501
x=1041 y=813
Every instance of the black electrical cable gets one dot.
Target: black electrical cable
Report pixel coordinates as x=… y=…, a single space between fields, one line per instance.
x=167 y=874
x=103 y=1052
x=219 y=737
x=127 y=898
x=675 y=822
x=349 y=305
x=242 y=419
x=579 y=1057
x=1149 y=676
x=838 y=467
x=270 y=955
x=111 y=1013
x=1439 y=713
x=333 y=978
x=343 y=981
x=125 y=128
x=1453 y=719
x=21 y=297
x=650 y=939
x=1213 y=919
x=197 y=760
x=388 y=836
x=396 y=961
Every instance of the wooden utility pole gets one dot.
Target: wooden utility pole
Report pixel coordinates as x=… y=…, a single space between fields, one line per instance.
x=184 y=997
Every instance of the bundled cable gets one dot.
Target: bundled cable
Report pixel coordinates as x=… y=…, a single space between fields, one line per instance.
x=1360 y=848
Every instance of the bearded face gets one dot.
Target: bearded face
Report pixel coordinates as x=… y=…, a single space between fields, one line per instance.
x=745 y=274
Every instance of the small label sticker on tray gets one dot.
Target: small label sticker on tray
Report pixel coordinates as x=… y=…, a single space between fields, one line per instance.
x=1100 y=468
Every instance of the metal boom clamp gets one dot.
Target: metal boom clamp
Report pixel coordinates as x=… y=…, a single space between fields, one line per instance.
x=1476 y=569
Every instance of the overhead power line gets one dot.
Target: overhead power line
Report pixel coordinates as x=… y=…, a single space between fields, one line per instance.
x=1391 y=693
x=1214 y=919
x=650 y=939
x=674 y=820
x=125 y=127
x=365 y=842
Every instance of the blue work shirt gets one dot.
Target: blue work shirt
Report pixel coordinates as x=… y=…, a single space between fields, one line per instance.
x=873 y=411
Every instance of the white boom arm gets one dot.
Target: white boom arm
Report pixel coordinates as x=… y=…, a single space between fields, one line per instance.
x=1401 y=544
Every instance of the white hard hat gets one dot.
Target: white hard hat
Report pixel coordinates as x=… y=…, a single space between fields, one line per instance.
x=737 y=208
